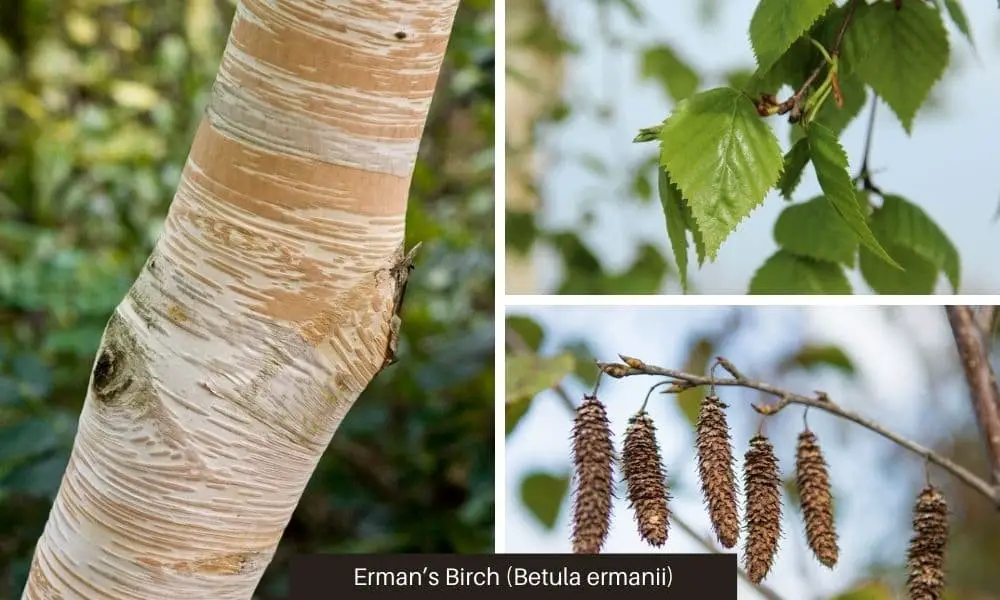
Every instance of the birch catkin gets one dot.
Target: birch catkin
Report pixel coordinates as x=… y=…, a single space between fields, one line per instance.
x=925 y=559
x=593 y=462
x=813 y=482
x=762 y=481
x=645 y=478
x=715 y=469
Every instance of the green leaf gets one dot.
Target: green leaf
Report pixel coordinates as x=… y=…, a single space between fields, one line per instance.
x=542 y=494
x=786 y=273
x=641 y=186
x=723 y=158
x=520 y=229
x=529 y=330
x=678 y=79
x=738 y=77
x=791 y=69
x=82 y=341
x=575 y=254
x=957 y=15
x=859 y=41
x=673 y=211
x=35 y=376
x=584 y=271
x=908 y=53
x=830 y=162
x=39 y=478
x=905 y=224
x=814 y=229
x=810 y=356
x=27 y=438
x=514 y=412
x=10 y=392
x=917 y=277
x=584 y=355
x=778 y=23
x=699 y=241
x=644 y=276
x=796 y=160
x=530 y=374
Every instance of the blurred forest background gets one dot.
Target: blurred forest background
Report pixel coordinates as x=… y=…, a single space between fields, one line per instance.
x=583 y=76
x=99 y=100
x=895 y=365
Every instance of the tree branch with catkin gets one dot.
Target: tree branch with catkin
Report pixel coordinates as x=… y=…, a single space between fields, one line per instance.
x=680 y=381
x=516 y=344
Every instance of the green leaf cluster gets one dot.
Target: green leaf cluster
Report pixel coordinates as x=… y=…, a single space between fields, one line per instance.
x=719 y=158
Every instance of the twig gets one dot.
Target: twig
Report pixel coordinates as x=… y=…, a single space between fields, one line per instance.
x=834 y=51
x=982 y=382
x=865 y=174
x=822 y=402
x=764 y=590
x=768 y=104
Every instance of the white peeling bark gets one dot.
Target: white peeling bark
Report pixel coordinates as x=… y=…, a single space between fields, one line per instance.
x=263 y=312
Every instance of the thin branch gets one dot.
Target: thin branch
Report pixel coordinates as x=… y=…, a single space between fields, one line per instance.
x=981 y=379
x=767 y=104
x=865 y=173
x=868 y=137
x=705 y=543
x=822 y=402
x=834 y=52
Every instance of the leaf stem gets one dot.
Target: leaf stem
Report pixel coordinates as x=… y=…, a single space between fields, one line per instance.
x=819 y=46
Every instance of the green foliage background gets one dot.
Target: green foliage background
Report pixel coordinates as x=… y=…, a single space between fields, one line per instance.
x=99 y=100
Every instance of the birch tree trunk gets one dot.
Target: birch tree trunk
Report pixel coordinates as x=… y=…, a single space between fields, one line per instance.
x=265 y=309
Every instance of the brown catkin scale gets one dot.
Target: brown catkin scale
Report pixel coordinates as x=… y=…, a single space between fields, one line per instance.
x=925 y=558
x=813 y=482
x=645 y=478
x=762 y=482
x=593 y=462
x=715 y=468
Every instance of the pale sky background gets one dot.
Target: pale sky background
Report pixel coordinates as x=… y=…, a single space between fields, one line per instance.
x=874 y=485
x=948 y=166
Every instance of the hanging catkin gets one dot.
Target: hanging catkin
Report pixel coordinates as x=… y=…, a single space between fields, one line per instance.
x=925 y=559
x=813 y=483
x=593 y=462
x=645 y=478
x=762 y=482
x=715 y=468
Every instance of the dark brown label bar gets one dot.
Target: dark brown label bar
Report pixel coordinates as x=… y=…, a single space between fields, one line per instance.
x=576 y=577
